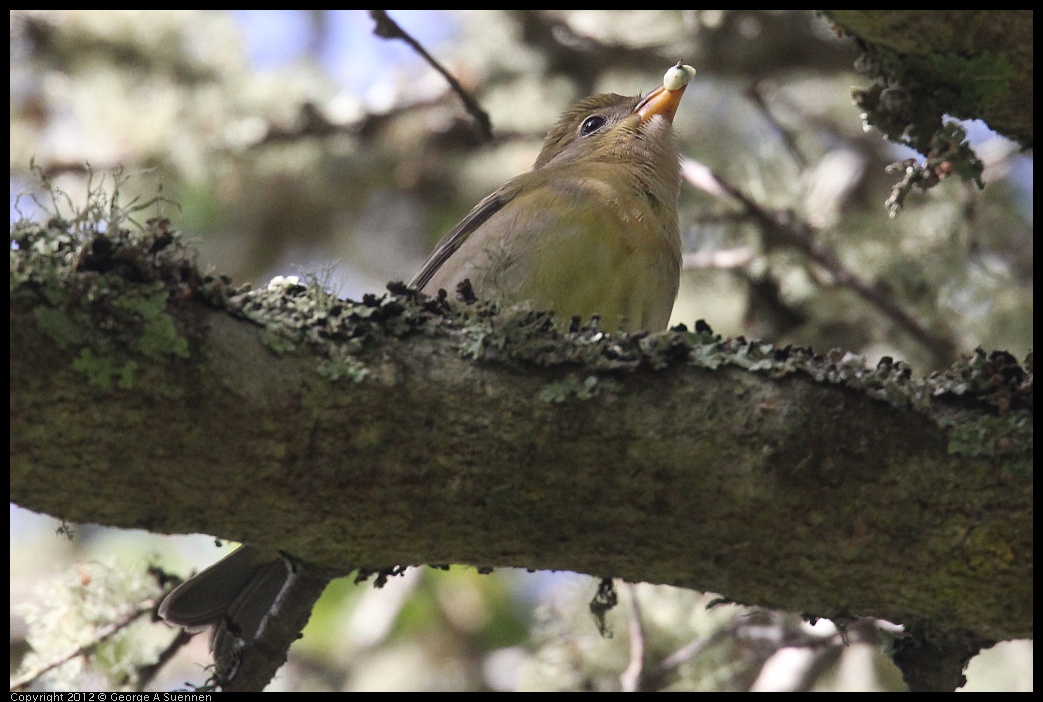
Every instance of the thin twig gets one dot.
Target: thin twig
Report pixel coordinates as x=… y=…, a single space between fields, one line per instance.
x=789 y=139
x=389 y=29
x=148 y=672
x=103 y=634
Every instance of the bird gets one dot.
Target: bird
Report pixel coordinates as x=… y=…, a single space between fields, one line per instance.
x=591 y=230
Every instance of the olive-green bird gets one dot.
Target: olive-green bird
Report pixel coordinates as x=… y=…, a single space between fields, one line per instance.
x=590 y=230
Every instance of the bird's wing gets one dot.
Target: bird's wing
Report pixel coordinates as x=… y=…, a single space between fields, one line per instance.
x=458 y=235
x=203 y=598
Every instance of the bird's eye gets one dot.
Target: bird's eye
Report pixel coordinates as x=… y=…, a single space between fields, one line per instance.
x=591 y=124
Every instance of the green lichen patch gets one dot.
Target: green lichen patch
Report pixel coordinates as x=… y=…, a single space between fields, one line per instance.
x=98 y=281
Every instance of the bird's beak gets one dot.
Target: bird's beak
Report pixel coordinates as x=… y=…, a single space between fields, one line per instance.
x=660 y=102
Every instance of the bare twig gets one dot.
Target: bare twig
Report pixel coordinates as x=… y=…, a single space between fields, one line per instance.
x=146 y=608
x=147 y=673
x=389 y=29
x=756 y=94
x=724 y=259
x=784 y=229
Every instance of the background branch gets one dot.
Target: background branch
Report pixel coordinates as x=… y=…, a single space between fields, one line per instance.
x=389 y=29
x=785 y=229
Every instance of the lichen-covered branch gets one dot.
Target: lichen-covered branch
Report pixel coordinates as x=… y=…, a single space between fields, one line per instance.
x=407 y=430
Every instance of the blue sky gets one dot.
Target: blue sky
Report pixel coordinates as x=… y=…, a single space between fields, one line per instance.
x=351 y=54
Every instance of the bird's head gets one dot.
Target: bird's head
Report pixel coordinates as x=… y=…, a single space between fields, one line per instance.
x=612 y=127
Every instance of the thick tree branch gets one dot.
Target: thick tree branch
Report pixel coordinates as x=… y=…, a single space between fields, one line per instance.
x=971 y=64
x=930 y=65
x=404 y=431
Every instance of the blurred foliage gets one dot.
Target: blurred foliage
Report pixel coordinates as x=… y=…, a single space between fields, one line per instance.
x=91 y=629
x=284 y=168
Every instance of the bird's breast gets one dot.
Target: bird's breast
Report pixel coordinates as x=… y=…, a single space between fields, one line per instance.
x=598 y=249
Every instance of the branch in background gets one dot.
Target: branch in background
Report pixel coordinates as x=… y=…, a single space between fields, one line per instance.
x=579 y=55
x=755 y=93
x=784 y=229
x=631 y=678
x=387 y=28
x=724 y=259
x=102 y=635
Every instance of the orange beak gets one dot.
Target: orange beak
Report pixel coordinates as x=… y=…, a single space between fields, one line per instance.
x=660 y=102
